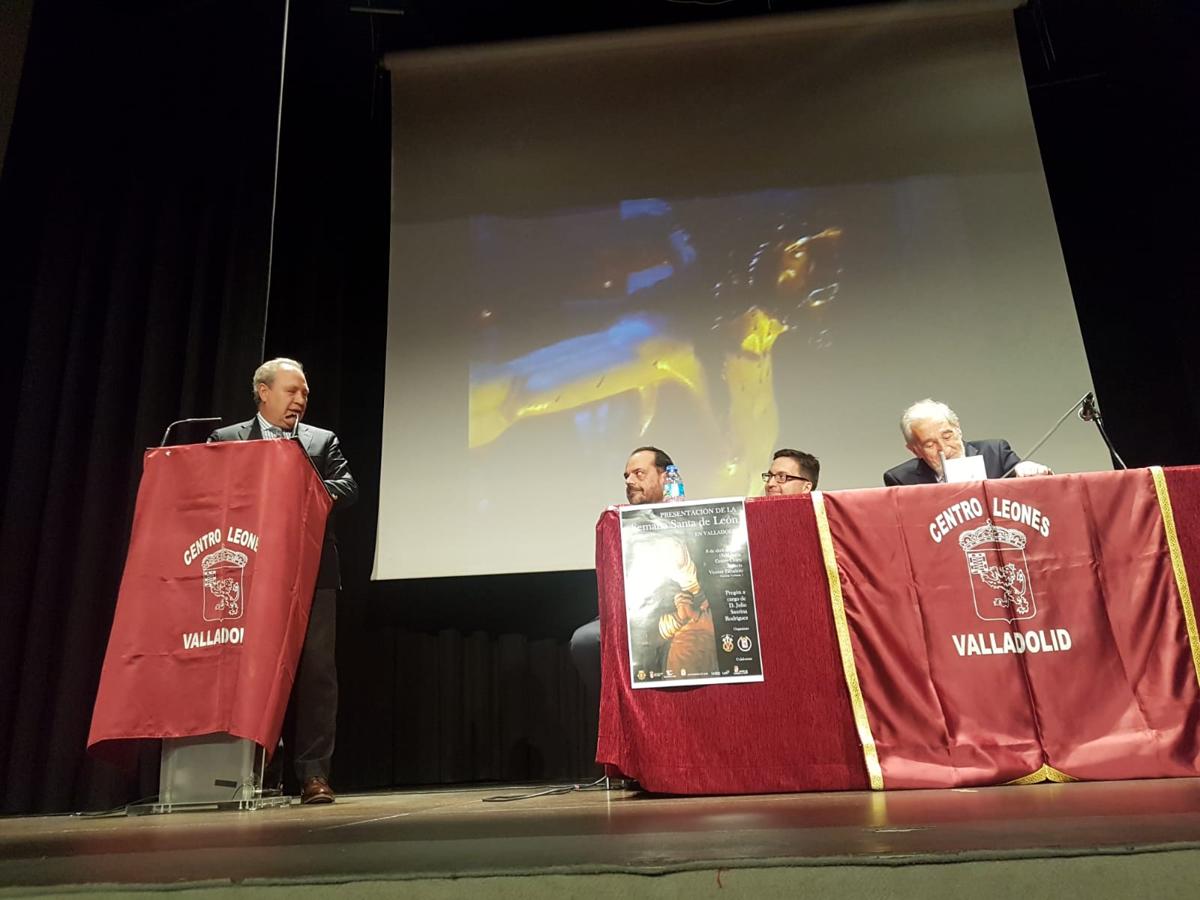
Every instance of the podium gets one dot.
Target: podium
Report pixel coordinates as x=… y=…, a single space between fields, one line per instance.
x=211 y=616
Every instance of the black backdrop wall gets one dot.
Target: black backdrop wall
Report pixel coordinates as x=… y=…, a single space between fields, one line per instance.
x=131 y=234
x=135 y=222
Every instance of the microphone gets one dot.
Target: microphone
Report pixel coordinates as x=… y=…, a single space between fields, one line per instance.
x=1087 y=408
x=167 y=433
x=295 y=436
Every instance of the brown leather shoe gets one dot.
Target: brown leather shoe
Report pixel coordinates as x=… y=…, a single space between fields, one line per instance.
x=317 y=790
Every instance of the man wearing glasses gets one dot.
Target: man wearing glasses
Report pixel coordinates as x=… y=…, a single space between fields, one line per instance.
x=932 y=433
x=792 y=472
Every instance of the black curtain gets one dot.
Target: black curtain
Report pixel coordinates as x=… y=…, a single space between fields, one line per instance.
x=1113 y=87
x=134 y=218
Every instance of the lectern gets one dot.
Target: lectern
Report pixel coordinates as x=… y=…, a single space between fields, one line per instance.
x=211 y=616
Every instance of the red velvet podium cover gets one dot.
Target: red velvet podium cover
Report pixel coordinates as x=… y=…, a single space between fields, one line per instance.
x=215 y=596
x=1115 y=697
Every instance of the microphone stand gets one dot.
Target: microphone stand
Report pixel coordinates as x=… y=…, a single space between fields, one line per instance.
x=1045 y=437
x=1088 y=412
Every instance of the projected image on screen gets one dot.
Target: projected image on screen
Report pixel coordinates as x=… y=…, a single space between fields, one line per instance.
x=720 y=241
x=602 y=322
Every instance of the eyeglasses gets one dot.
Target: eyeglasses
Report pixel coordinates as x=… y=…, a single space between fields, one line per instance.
x=783 y=477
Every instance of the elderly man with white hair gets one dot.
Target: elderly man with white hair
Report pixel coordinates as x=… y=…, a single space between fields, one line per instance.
x=931 y=433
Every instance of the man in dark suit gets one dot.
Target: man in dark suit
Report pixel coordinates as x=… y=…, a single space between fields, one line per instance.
x=931 y=432
x=645 y=479
x=281 y=395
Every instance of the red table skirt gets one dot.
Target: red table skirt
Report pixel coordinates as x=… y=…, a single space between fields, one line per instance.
x=795 y=730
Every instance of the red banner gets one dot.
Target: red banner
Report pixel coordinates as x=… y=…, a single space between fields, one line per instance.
x=215 y=596
x=1015 y=629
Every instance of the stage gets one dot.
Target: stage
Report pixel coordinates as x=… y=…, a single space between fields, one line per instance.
x=1102 y=839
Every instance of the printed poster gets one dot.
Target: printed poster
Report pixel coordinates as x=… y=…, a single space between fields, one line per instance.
x=689 y=594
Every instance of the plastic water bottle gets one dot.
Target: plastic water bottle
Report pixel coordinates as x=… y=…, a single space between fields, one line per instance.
x=673 y=487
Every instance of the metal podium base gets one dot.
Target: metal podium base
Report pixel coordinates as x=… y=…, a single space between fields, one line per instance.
x=211 y=772
x=258 y=801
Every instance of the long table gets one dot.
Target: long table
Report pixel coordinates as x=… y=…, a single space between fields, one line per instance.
x=796 y=730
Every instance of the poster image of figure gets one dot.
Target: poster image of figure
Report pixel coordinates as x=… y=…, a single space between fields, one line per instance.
x=689 y=594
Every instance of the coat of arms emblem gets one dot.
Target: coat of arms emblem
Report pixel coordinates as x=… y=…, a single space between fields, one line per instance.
x=999 y=573
x=222 y=572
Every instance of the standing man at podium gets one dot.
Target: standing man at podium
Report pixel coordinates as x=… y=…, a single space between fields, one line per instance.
x=281 y=397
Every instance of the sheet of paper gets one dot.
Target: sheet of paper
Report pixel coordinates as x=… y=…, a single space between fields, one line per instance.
x=965 y=468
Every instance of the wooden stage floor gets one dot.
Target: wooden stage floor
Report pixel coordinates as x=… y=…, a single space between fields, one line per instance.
x=454 y=833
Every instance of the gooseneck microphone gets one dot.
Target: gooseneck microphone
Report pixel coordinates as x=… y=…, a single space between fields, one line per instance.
x=1087 y=408
x=167 y=433
x=295 y=436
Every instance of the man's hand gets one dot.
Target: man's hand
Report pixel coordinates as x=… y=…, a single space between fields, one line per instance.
x=1028 y=467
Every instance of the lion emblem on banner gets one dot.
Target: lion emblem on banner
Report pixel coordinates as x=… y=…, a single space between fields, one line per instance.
x=222 y=572
x=999 y=573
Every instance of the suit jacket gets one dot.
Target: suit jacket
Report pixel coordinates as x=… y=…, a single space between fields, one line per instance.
x=326 y=454
x=998 y=458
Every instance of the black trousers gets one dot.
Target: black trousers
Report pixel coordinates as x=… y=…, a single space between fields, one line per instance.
x=315 y=692
x=585 y=653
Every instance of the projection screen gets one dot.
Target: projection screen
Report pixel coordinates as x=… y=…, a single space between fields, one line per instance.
x=719 y=240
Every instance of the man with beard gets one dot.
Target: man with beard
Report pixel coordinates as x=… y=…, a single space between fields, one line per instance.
x=645 y=477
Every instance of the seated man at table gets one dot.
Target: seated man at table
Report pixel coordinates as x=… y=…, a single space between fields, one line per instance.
x=645 y=477
x=932 y=432
x=791 y=472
